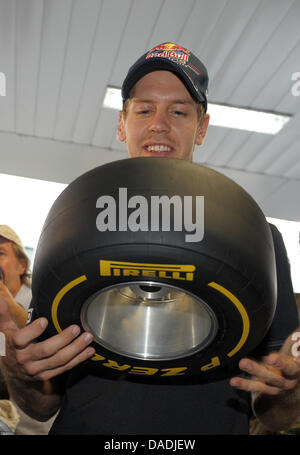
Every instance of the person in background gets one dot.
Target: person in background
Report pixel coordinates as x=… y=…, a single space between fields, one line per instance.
x=15 y=270
x=15 y=289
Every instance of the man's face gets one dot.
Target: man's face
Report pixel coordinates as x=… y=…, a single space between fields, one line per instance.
x=161 y=119
x=11 y=266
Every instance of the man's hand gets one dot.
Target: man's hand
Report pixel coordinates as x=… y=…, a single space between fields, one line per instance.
x=278 y=372
x=18 y=313
x=43 y=360
x=49 y=358
x=30 y=366
x=275 y=383
x=275 y=374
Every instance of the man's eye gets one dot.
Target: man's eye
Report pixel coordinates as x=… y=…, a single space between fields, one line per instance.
x=179 y=113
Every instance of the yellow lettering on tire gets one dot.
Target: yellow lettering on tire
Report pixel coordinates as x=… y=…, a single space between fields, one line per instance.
x=143 y=370
x=215 y=362
x=174 y=371
x=115 y=366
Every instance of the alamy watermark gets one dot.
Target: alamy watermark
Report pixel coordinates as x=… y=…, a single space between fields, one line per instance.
x=2 y=84
x=153 y=214
x=296 y=86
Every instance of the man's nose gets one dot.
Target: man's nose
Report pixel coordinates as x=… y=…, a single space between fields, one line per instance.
x=159 y=122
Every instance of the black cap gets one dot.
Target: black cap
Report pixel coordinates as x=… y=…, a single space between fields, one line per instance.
x=170 y=57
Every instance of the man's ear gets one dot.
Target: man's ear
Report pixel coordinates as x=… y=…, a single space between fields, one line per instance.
x=121 y=129
x=22 y=266
x=202 y=130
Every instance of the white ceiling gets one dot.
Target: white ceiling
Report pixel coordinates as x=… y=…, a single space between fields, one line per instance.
x=59 y=56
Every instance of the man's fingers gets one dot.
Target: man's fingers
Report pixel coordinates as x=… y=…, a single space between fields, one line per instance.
x=58 y=354
x=252 y=385
x=265 y=378
x=269 y=374
x=52 y=345
x=24 y=337
x=289 y=366
x=46 y=359
x=272 y=375
x=29 y=333
x=43 y=349
x=81 y=357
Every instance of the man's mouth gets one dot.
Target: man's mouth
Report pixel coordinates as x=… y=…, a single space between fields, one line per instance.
x=160 y=149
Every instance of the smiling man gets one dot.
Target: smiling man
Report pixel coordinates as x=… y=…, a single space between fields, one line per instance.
x=164 y=104
x=164 y=114
x=162 y=119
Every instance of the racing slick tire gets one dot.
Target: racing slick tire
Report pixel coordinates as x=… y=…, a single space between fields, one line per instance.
x=165 y=296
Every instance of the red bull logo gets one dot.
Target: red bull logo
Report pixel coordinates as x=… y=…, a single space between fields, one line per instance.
x=169 y=50
x=169 y=47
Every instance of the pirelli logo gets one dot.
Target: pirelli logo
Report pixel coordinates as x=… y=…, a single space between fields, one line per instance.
x=137 y=269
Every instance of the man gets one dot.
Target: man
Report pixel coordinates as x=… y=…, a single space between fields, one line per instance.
x=15 y=291
x=164 y=114
x=15 y=282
